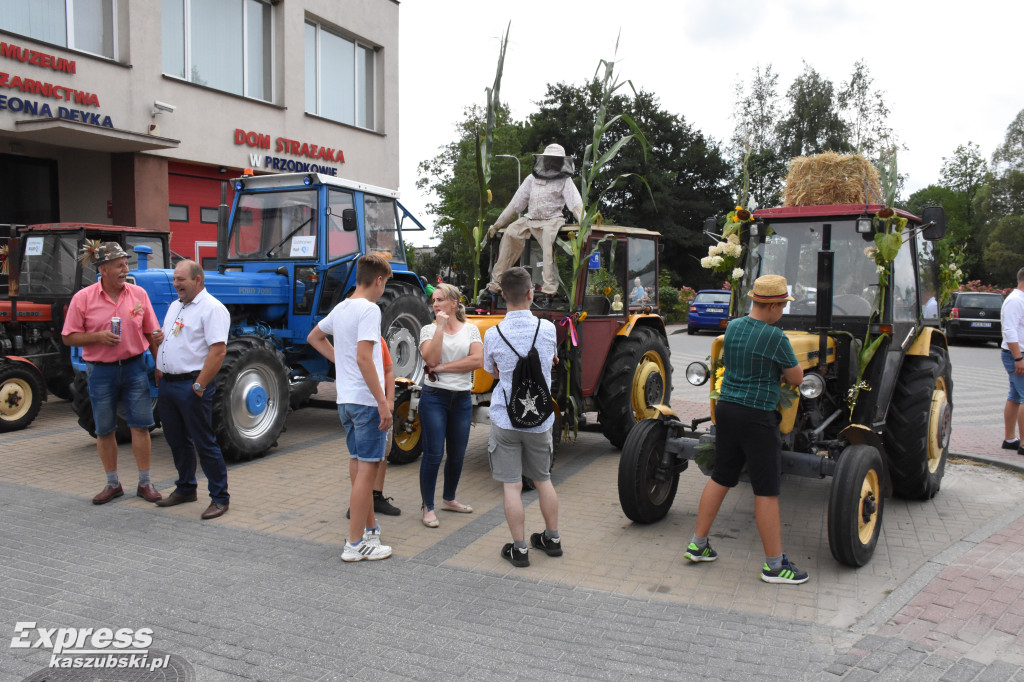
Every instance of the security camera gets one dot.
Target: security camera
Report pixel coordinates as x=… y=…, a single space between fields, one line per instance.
x=162 y=106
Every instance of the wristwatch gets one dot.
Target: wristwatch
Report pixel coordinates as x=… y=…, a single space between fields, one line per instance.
x=197 y=387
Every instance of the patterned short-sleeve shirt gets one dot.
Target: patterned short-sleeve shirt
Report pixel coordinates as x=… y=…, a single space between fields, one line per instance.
x=755 y=353
x=518 y=327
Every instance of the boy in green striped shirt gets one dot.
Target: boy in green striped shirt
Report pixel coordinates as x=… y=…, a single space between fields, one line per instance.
x=756 y=355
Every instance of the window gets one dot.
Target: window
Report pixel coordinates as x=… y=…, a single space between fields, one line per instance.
x=642 y=279
x=606 y=278
x=179 y=213
x=208 y=215
x=86 y=25
x=339 y=242
x=222 y=44
x=381 y=228
x=339 y=77
x=275 y=225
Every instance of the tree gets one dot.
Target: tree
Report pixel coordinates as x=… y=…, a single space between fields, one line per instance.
x=813 y=124
x=1005 y=251
x=864 y=112
x=964 y=173
x=1010 y=154
x=756 y=113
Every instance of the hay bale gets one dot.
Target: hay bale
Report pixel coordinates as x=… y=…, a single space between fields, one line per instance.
x=832 y=178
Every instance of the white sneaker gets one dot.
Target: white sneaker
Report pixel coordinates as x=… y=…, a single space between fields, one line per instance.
x=365 y=551
x=372 y=537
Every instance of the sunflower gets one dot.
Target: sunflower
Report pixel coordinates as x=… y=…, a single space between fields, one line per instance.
x=886 y=213
x=743 y=214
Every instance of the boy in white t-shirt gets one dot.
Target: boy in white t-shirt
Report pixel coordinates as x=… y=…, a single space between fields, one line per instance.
x=363 y=404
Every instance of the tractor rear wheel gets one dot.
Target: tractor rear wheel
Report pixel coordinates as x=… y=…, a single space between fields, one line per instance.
x=637 y=376
x=403 y=312
x=645 y=494
x=918 y=425
x=406 y=439
x=855 y=505
x=251 y=402
x=21 y=395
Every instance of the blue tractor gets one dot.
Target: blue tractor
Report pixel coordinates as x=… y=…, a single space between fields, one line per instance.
x=286 y=257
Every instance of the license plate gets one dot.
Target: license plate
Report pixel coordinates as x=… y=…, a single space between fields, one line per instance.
x=716 y=310
x=981 y=324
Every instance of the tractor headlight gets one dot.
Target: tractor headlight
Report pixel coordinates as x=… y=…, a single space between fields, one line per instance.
x=812 y=386
x=697 y=373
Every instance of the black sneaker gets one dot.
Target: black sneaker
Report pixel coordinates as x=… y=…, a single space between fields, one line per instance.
x=382 y=505
x=786 y=573
x=553 y=546
x=517 y=557
x=695 y=553
x=1011 y=444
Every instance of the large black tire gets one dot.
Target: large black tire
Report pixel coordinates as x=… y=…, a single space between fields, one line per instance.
x=252 y=398
x=403 y=312
x=82 y=406
x=301 y=393
x=637 y=375
x=918 y=425
x=855 y=505
x=59 y=387
x=21 y=394
x=406 y=436
x=644 y=497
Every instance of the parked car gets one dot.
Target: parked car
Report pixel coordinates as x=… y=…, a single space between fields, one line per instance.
x=973 y=315
x=709 y=310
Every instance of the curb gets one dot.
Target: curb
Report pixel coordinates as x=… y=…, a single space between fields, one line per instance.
x=1009 y=465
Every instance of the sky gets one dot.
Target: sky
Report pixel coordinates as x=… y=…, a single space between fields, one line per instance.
x=948 y=74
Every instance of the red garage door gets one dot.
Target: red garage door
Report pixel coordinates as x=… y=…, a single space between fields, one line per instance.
x=195 y=193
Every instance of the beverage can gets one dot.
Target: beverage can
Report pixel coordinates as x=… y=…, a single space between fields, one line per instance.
x=115 y=325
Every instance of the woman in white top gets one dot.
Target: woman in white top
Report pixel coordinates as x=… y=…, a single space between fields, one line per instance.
x=451 y=349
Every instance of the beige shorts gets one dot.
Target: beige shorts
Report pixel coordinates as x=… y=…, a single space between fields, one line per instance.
x=514 y=454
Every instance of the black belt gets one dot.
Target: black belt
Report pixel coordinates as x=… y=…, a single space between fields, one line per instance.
x=447 y=390
x=187 y=376
x=116 y=363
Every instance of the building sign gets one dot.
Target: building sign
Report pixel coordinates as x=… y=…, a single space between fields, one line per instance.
x=284 y=145
x=46 y=90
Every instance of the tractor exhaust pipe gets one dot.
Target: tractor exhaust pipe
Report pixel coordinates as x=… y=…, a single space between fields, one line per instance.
x=823 y=305
x=222 y=229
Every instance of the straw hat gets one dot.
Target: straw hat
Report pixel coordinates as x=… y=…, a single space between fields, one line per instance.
x=770 y=289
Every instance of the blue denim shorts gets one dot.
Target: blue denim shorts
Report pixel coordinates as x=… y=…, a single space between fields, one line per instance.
x=363 y=436
x=1016 y=394
x=128 y=384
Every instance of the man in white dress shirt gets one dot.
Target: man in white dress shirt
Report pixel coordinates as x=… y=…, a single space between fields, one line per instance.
x=195 y=333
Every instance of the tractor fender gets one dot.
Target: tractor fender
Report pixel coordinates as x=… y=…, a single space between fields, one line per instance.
x=42 y=383
x=858 y=434
x=641 y=320
x=929 y=336
x=664 y=412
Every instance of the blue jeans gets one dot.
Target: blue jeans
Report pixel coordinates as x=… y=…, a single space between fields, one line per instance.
x=445 y=417
x=363 y=436
x=1016 y=393
x=128 y=384
x=188 y=429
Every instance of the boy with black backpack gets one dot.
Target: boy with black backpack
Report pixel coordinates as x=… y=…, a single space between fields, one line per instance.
x=519 y=353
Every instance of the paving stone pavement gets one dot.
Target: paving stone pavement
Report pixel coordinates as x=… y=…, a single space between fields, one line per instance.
x=262 y=594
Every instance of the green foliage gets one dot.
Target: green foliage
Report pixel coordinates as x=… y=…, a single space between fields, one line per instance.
x=1004 y=253
x=1010 y=154
x=814 y=124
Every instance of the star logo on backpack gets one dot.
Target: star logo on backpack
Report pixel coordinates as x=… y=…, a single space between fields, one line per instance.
x=529 y=404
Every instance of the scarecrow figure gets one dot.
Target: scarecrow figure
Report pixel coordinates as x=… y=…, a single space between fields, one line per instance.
x=542 y=196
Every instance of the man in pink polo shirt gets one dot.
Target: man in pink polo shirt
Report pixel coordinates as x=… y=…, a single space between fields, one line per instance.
x=114 y=363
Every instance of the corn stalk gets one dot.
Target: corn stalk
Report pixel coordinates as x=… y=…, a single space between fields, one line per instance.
x=484 y=157
x=594 y=162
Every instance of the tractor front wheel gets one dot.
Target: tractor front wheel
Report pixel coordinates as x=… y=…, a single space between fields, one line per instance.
x=919 y=423
x=252 y=399
x=646 y=490
x=21 y=395
x=406 y=438
x=403 y=312
x=855 y=505
x=637 y=376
